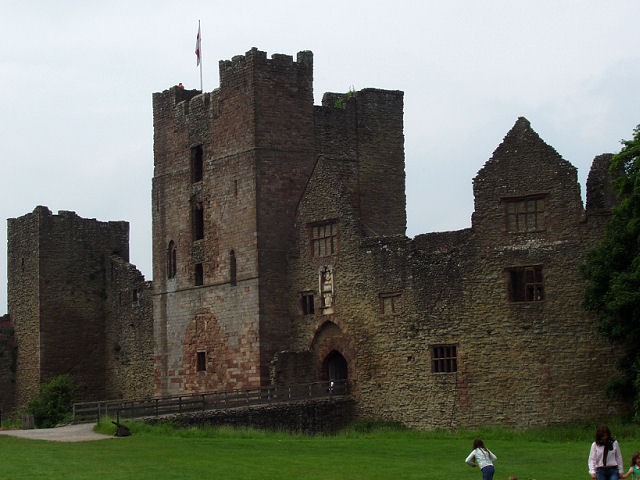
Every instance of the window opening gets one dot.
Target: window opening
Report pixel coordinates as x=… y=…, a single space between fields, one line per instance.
x=389 y=303
x=201 y=361
x=171 y=260
x=324 y=239
x=198 y=222
x=232 y=268
x=308 y=306
x=198 y=274
x=525 y=214
x=444 y=359
x=197 y=163
x=525 y=284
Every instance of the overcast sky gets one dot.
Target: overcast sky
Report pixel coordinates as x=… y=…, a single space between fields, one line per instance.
x=77 y=78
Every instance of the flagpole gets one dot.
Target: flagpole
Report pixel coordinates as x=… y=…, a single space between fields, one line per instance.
x=201 y=90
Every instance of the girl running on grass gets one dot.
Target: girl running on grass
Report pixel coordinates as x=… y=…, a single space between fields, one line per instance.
x=482 y=457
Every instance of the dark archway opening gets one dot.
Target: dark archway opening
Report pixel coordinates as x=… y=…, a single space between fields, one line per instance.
x=336 y=367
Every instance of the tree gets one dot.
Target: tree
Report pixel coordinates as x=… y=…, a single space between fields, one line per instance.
x=612 y=270
x=54 y=403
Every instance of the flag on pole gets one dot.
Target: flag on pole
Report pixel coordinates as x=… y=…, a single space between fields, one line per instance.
x=198 y=45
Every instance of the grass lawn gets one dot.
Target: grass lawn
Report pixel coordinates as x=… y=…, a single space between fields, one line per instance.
x=163 y=453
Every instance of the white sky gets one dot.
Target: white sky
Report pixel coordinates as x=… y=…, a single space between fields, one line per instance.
x=76 y=80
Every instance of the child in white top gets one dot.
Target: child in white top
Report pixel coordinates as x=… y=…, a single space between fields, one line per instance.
x=483 y=458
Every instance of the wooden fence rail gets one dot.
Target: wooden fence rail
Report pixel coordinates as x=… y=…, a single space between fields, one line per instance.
x=93 y=411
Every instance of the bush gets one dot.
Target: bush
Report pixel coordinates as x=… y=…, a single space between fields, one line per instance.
x=54 y=403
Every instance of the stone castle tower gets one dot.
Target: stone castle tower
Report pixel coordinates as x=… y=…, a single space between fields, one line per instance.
x=77 y=306
x=230 y=169
x=280 y=257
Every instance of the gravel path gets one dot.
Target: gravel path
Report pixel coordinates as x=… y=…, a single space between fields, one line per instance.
x=69 y=433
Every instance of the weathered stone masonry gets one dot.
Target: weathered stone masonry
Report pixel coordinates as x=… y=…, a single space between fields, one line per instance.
x=78 y=306
x=308 y=274
x=280 y=255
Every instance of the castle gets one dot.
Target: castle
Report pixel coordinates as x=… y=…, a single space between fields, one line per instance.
x=280 y=256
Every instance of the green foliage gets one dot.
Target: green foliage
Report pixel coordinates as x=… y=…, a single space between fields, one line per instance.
x=340 y=101
x=612 y=270
x=54 y=403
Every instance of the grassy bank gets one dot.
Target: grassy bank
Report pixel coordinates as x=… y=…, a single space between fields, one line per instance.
x=361 y=452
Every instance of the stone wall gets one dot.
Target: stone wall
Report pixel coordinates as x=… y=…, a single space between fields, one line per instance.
x=128 y=333
x=254 y=173
x=312 y=417
x=61 y=274
x=8 y=353
x=519 y=362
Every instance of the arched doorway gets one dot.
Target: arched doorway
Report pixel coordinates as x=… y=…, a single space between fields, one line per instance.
x=336 y=367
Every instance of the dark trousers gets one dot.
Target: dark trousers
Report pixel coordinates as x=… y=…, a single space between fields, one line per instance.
x=487 y=472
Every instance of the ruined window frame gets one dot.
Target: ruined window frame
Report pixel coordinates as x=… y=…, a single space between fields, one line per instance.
x=525 y=283
x=197 y=163
x=307 y=303
x=171 y=260
x=198 y=221
x=201 y=361
x=444 y=358
x=525 y=214
x=198 y=274
x=391 y=299
x=323 y=243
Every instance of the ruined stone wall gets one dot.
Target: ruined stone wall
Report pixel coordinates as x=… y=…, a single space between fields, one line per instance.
x=518 y=362
x=57 y=277
x=366 y=127
x=23 y=297
x=128 y=333
x=8 y=353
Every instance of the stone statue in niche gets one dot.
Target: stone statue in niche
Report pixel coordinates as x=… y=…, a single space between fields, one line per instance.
x=325 y=279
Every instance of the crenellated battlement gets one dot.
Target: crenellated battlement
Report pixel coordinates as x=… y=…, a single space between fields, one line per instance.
x=231 y=71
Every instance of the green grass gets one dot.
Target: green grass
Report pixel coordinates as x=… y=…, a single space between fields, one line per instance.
x=364 y=451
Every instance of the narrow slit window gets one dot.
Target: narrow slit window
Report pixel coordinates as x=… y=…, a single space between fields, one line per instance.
x=201 y=361
x=197 y=163
x=171 y=260
x=198 y=275
x=198 y=222
x=232 y=268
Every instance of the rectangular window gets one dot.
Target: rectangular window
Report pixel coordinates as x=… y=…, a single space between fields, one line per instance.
x=198 y=222
x=198 y=275
x=525 y=284
x=324 y=239
x=444 y=359
x=201 y=361
x=389 y=303
x=197 y=163
x=308 y=307
x=525 y=214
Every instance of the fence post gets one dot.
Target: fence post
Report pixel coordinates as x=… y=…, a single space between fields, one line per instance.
x=180 y=404
x=156 y=407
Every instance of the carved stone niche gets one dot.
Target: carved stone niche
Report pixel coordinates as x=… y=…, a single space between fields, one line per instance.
x=325 y=287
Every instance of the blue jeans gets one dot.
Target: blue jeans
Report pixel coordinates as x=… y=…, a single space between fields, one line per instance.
x=487 y=472
x=608 y=473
